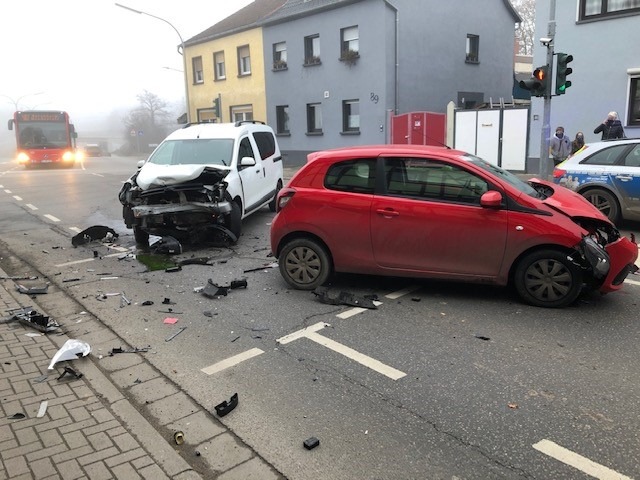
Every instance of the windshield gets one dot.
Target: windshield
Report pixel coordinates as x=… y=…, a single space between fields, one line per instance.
x=194 y=152
x=508 y=177
x=43 y=134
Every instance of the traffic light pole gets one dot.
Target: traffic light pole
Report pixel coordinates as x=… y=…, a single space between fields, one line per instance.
x=545 y=135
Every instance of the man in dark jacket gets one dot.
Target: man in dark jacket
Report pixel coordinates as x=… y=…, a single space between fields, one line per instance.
x=611 y=127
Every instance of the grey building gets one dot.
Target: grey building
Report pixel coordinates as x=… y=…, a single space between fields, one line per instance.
x=336 y=70
x=606 y=68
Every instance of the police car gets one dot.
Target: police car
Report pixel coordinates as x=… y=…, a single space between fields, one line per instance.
x=608 y=175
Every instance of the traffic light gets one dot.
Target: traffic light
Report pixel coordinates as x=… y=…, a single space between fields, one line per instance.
x=216 y=106
x=562 y=72
x=538 y=84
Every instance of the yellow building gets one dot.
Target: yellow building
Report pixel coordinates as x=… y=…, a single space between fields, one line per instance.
x=225 y=67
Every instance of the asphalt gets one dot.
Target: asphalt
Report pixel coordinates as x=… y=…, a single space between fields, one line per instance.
x=100 y=416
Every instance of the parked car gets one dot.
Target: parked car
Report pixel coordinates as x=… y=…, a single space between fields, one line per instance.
x=204 y=176
x=95 y=151
x=608 y=175
x=433 y=212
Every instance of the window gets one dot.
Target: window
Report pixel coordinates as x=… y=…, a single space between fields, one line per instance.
x=432 y=179
x=357 y=175
x=280 y=56
x=282 y=119
x=218 y=63
x=606 y=156
x=473 y=45
x=349 y=44
x=244 y=61
x=633 y=157
x=603 y=8
x=634 y=101
x=312 y=50
x=241 y=112
x=244 y=150
x=197 y=70
x=266 y=143
x=351 y=116
x=314 y=118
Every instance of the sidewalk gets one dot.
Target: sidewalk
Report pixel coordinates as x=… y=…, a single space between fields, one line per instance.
x=117 y=421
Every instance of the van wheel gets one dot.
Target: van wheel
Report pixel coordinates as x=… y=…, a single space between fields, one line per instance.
x=233 y=220
x=142 y=237
x=604 y=201
x=304 y=264
x=547 y=278
x=273 y=204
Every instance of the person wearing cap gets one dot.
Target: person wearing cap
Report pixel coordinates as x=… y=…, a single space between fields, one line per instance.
x=611 y=128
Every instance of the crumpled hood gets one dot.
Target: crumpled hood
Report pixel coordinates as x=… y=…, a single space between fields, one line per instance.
x=154 y=175
x=570 y=203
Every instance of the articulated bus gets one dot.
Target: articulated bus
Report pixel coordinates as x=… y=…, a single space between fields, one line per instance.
x=44 y=138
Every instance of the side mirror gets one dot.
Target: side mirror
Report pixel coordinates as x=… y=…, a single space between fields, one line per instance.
x=491 y=199
x=10 y=124
x=140 y=164
x=247 y=162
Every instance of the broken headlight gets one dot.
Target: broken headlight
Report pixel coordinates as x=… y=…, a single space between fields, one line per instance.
x=595 y=256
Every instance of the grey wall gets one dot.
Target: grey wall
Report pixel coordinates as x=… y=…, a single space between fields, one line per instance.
x=430 y=59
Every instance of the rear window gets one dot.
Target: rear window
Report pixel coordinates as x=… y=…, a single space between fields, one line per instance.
x=266 y=144
x=606 y=156
x=358 y=175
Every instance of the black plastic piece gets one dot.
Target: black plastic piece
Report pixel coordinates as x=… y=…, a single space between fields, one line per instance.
x=225 y=407
x=311 y=443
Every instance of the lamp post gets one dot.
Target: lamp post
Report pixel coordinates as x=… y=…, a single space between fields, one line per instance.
x=180 y=51
x=16 y=103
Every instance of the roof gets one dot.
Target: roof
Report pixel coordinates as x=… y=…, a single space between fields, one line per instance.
x=244 y=19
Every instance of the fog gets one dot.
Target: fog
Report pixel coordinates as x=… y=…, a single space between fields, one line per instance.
x=92 y=58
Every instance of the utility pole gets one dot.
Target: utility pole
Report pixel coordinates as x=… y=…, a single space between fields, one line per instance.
x=546 y=117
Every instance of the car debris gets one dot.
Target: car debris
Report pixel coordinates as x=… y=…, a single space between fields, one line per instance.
x=345 y=298
x=178 y=437
x=311 y=443
x=225 y=407
x=70 y=371
x=19 y=277
x=147 y=303
x=124 y=301
x=482 y=337
x=167 y=245
x=75 y=279
x=116 y=350
x=170 y=320
x=43 y=409
x=97 y=232
x=71 y=350
x=214 y=290
x=265 y=266
x=175 y=334
x=17 y=416
x=29 y=316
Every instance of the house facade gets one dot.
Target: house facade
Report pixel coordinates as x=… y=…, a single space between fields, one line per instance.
x=606 y=72
x=351 y=64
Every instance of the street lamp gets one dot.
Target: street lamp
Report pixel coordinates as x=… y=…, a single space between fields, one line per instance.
x=16 y=103
x=180 y=50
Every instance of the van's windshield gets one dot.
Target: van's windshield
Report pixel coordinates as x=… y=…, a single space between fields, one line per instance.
x=217 y=151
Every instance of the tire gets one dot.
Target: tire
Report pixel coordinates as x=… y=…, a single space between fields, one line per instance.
x=604 y=201
x=233 y=221
x=547 y=278
x=273 y=204
x=304 y=264
x=142 y=237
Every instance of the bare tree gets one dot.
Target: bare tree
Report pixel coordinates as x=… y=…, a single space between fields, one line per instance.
x=525 y=32
x=147 y=124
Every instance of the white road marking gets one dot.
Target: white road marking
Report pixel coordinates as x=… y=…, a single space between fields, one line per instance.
x=354 y=311
x=75 y=229
x=232 y=361
x=632 y=282
x=85 y=260
x=578 y=461
x=51 y=217
x=32 y=207
x=7 y=191
x=401 y=293
x=17 y=198
x=361 y=358
x=310 y=332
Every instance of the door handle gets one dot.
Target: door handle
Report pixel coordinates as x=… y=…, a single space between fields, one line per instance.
x=624 y=178
x=387 y=212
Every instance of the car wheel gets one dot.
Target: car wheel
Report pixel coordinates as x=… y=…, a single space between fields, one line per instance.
x=274 y=203
x=547 y=278
x=233 y=220
x=142 y=237
x=604 y=201
x=304 y=264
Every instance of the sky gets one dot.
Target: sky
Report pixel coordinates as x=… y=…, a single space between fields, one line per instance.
x=90 y=57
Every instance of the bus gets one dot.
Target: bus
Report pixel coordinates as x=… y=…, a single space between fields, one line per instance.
x=44 y=137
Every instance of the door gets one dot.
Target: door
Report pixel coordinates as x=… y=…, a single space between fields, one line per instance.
x=626 y=178
x=430 y=220
x=252 y=178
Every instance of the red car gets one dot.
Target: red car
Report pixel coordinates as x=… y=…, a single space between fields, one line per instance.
x=433 y=212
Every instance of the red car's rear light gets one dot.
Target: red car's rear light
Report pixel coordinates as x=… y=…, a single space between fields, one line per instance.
x=559 y=173
x=284 y=196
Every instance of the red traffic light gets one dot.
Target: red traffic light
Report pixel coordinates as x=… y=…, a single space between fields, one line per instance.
x=539 y=73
